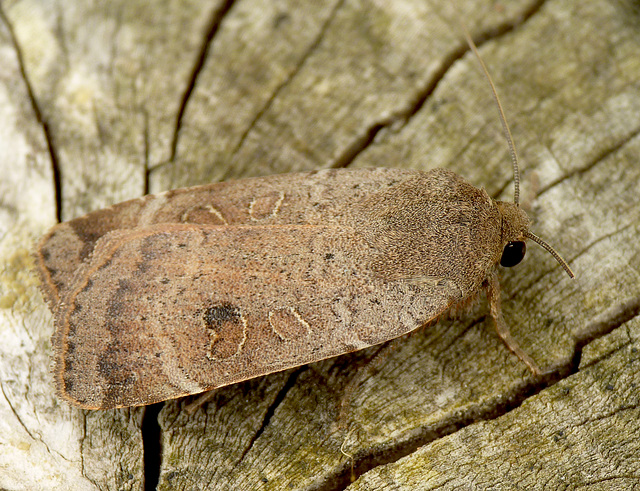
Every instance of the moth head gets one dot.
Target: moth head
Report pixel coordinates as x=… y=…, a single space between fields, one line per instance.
x=515 y=222
x=515 y=231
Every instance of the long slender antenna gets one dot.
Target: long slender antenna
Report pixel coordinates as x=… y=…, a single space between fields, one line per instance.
x=512 y=151
x=551 y=251
x=503 y=118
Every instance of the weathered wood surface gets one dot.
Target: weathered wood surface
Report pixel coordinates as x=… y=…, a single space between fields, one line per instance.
x=112 y=101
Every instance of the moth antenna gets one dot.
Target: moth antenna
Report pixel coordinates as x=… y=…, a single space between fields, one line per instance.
x=551 y=251
x=503 y=118
x=512 y=151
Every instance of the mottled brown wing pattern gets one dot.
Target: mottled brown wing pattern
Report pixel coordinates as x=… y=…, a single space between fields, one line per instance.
x=170 y=310
x=306 y=198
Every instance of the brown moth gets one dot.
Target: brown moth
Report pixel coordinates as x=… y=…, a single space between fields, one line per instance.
x=185 y=291
x=189 y=290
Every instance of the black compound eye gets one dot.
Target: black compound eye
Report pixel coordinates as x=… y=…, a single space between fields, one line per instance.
x=513 y=253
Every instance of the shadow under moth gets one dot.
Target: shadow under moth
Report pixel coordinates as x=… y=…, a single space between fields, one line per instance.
x=185 y=291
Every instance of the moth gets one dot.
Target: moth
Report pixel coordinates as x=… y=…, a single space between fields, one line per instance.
x=193 y=289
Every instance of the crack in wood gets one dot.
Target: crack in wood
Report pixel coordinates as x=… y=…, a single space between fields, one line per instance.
x=287 y=81
x=214 y=26
x=55 y=168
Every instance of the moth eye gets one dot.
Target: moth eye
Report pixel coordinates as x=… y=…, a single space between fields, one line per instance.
x=513 y=253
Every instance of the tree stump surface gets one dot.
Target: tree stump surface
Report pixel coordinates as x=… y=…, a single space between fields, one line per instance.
x=102 y=103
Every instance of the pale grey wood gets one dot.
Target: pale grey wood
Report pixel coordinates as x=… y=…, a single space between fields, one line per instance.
x=337 y=83
x=110 y=79
x=582 y=433
x=35 y=434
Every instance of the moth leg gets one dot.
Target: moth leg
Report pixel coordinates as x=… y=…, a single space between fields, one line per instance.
x=493 y=296
x=349 y=455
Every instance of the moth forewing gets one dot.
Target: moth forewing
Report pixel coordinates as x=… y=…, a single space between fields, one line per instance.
x=311 y=197
x=171 y=309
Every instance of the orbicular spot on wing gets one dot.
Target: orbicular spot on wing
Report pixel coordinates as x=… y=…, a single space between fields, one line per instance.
x=204 y=215
x=227 y=329
x=288 y=324
x=265 y=206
